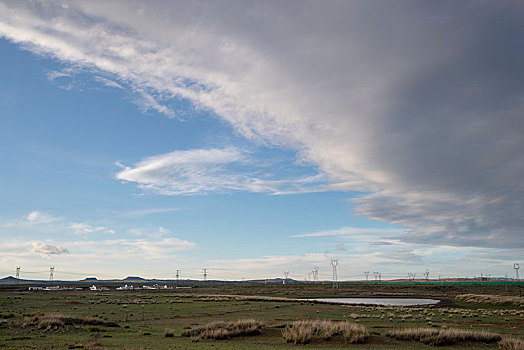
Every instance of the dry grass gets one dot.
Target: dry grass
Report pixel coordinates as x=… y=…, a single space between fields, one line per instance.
x=303 y=332
x=353 y=333
x=491 y=299
x=439 y=337
x=57 y=321
x=511 y=344
x=224 y=330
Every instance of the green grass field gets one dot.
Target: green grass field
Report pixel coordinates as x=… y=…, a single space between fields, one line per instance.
x=145 y=316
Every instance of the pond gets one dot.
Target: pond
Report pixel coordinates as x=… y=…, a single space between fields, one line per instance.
x=379 y=301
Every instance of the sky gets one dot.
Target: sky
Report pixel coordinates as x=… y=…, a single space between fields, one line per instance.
x=254 y=138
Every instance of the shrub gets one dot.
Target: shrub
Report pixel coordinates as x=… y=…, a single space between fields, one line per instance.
x=169 y=334
x=224 y=330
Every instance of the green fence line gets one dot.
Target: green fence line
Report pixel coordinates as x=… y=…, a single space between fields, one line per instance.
x=465 y=283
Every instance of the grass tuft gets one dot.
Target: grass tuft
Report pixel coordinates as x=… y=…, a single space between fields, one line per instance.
x=58 y=321
x=303 y=332
x=224 y=330
x=491 y=299
x=440 y=337
x=511 y=344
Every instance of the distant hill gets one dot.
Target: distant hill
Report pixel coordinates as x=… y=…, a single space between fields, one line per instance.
x=89 y=279
x=8 y=279
x=134 y=279
x=12 y=280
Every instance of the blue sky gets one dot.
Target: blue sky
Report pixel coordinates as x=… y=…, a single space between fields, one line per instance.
x=138 y=141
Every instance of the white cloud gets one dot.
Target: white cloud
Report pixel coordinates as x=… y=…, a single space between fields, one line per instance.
x=37 y=217
x=33 y=220
x=404 y=101
x=200 y=171
x=46 y=249
x=355 y=232
x=81 y=228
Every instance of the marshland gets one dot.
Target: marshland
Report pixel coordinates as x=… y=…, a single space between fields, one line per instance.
x=263 y=317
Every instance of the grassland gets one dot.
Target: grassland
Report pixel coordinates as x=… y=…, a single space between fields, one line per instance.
x=156 y=319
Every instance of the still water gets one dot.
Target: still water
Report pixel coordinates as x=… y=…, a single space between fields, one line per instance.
x=379 y=301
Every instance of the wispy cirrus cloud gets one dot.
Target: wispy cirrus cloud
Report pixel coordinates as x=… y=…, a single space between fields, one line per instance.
x=355 y=232
x=81 y=228
x=33 y=219
x=199 y=171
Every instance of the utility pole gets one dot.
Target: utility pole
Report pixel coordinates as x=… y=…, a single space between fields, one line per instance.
x=18 y=275
x=51 y=273
x=334 y=263
x=204 y=272
x=286 y=274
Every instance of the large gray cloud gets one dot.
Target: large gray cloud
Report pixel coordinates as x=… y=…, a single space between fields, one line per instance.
x=417 y=103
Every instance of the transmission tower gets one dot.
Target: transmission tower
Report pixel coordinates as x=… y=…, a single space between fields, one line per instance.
x=204 y=273
x=286 y=274
x=367 y=275
x=380 y=276
x=18 y=274
x=315 y=273
x=51 y=273
x=177 y=275
x=426 y=275
x=334 y=263
x=516 y=267
x=375 y=274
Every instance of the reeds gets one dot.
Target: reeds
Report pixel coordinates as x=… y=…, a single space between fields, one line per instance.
x=224 y=330
x=439 y=337
x=303 y=332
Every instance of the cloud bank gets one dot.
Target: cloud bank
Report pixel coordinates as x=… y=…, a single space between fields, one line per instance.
x=417 y=103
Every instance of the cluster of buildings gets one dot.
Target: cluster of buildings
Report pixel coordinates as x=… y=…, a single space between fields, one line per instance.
x=102 y=288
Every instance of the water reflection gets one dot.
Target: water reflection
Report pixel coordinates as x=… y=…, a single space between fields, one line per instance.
x=379 y=301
